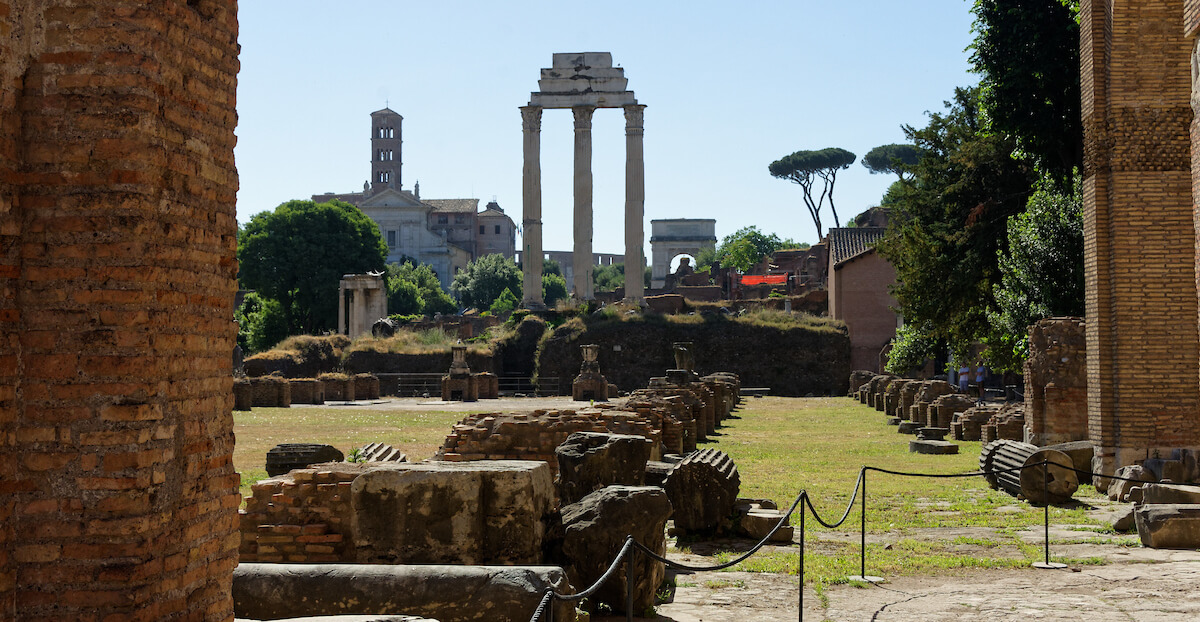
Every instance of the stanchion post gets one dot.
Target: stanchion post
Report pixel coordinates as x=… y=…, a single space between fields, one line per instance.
x=629 y=584
x=864 y=577
x=1047 y=564
x=550 y=610
x=800 y=570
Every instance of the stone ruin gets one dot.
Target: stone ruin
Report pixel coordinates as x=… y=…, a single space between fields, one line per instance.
x=589 y=384
x=460 y=385
x=1056 y=382
x=278 y=392
x=535 y=435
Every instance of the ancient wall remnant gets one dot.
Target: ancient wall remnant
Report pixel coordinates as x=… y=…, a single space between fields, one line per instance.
x=117 y=279
x=1056 y=382
x=1142 y=366
x=535 y=435
x=397 y=513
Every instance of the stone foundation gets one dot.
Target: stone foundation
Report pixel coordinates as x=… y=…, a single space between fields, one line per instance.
x=338 y=387
x=397 y=513
x=307 y=391
x=535 y=435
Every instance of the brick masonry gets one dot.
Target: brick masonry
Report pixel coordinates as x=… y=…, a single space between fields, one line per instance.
x=1143 y=370
x=118 y=498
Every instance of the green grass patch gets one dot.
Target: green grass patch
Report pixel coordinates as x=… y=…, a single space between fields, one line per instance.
x=417 y=434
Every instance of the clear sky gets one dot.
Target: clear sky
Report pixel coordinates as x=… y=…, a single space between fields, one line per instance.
x=730 y=87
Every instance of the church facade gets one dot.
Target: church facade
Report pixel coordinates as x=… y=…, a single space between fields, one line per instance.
x=444 y=233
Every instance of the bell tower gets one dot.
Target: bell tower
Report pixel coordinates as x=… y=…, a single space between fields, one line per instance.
x=385 y=149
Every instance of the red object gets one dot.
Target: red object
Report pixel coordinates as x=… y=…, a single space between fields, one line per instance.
x=764 y=279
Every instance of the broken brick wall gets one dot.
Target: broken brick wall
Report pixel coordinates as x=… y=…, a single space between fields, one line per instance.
x=118 y=497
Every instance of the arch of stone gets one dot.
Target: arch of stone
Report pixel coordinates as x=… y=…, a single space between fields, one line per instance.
x=672 y=237
x=581 y=82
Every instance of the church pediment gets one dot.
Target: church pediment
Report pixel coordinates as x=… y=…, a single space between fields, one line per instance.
x=392 y=198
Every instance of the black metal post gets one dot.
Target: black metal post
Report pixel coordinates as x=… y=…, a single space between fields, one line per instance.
x=1046 y=506
x=629 y=585
x=800 y=571
x=863 y=542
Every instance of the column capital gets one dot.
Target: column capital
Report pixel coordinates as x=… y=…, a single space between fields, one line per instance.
x=583 y=117
x=633 y=116
x=531 y=118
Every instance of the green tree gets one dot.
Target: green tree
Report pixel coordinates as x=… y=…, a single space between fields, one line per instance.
x=549 y=266
x=804 y=168
x=608 y=278
x=1027 y=55
x=298 y=253
x=1041 y=272
x=485 y=279
x=747 y=246
x=261 y=323
x=554 y=289
x=948 y=226
x=432 y=298
x=504 y=303
x=895 y=158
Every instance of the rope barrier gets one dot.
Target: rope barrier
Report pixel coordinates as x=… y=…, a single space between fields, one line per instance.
x=803 y=500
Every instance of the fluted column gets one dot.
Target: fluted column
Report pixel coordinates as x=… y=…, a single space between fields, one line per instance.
x=531 y=200
x=582 y=257
x=635 y=204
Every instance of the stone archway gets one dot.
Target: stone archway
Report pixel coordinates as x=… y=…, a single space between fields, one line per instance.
x=677 y=236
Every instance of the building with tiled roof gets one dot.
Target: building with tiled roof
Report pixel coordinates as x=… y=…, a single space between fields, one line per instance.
x=443 y=233
x=859 y=282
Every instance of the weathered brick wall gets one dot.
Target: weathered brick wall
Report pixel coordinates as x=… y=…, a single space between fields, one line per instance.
x=1056 y=382
x=1139 y=235
x=302 y=517
x=117 y=232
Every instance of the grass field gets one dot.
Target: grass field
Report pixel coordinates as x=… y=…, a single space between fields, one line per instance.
x=781 y=446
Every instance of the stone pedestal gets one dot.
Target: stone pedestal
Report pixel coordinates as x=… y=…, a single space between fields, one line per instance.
x=459 y=385
x=589 y=384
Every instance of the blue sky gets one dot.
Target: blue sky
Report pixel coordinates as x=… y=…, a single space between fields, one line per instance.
x=729 y=88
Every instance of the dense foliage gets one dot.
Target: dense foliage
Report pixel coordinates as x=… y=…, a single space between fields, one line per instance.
x=744 y=248
x=949 y=225
x=485 y=279
x=979 y=255
x=1026 y=53
x=298 y=253
x=414 y=289
x=261 y=323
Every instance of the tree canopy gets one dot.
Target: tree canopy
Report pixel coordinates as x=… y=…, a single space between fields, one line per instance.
x=895 y=158
x=298 y=253
x=485 y=279
x=745 y=247
x=949 y=225
x=804 y=168
x=413 y=288
x=1041 y=273
x=1027 y=55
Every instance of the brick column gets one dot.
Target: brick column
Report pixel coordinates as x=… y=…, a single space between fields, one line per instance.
x=581 y=259
x=1143 y=376
x=118 y=497
x=531 y=203
x=635 y=204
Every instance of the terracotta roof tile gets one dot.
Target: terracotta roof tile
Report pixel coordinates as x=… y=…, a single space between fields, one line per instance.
x=847 y=243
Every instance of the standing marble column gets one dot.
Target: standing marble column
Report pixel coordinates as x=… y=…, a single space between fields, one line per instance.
x=635 y=204
x=342 y=308
x=531 y=198
x=581 y=262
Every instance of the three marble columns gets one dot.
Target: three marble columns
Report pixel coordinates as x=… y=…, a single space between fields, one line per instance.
x=635 y=200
